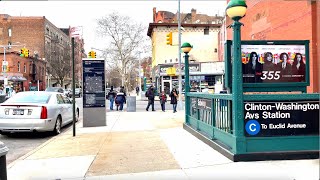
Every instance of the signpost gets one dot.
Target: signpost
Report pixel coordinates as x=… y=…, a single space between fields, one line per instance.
x=94 y=97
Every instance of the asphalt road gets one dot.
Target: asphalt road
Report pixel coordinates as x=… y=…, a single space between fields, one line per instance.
x=20 y=144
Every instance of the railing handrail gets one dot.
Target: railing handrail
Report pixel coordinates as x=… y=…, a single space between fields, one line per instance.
x=210 y=96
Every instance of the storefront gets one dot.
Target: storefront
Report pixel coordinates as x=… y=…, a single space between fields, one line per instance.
x=203 y=77
x=14 y=81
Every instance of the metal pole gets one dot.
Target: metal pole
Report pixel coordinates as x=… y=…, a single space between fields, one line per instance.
x=73 y=91
x=179 y=58
x=186 y=85
x=237 y=87
x=140 y=90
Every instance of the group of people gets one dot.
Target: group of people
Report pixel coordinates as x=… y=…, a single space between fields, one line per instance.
x=254 y=71
x=150 y=93
x=119 y=98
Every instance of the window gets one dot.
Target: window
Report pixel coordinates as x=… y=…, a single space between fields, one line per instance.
x=24 y=68
x=60 y=99
x=165 y=61
x=9 y=32
x=206 y=31
x=215 y=50
x=18 y=66
x=170 y=60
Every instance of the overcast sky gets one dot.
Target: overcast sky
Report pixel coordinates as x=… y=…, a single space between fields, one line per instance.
x=85 y=13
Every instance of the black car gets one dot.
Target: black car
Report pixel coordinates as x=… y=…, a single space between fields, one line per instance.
x=55 y=89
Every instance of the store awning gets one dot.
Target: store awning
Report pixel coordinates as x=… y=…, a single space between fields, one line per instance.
x=14 y=78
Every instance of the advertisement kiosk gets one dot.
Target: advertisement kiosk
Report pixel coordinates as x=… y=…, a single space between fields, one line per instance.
x=94 y=101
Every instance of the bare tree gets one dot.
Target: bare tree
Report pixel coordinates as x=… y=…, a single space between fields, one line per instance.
x=125 y=39
x=59 y=65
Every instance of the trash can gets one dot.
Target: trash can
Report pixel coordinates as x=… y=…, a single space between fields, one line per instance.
x=2 y=98
x=3 y=163
x=131 y=104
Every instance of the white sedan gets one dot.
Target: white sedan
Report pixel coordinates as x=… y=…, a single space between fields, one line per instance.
x=36 y=111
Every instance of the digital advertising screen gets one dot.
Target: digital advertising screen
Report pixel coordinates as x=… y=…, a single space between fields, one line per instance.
x=93 y=83
x=273 y=63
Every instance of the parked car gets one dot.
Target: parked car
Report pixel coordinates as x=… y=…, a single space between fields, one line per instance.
x=36 y=111
x=77 y=92
x=55 y=89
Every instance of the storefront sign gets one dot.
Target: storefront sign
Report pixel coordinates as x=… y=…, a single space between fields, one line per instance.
x=273 y=63
x=192 y=68
x=281 y=118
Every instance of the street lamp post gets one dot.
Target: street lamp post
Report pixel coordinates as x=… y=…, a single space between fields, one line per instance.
x=186 y=48
x=236 y=9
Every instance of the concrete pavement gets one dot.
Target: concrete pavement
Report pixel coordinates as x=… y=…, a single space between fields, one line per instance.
x=145 y=145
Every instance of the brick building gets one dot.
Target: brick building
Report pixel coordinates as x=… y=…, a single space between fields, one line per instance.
x=23 y=72
x=285 y=20
x=201 y=31
x=45 y=42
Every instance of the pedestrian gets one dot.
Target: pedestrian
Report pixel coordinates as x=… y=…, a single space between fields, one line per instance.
x=120 y=100
x=150 y=94
x=174 y=99
x=137 y=90
x=111 y=96
x=163 y=100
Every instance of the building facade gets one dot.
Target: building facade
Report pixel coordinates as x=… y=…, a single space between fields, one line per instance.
x=285 y=20
x=45 y=42
x=199 y=30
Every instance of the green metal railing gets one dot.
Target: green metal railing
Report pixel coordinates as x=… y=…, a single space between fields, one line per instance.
x=211 y=114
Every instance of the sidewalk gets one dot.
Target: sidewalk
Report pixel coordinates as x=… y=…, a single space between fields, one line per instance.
x=144 y=145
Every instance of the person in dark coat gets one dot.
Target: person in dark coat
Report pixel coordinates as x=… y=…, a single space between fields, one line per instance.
x=111 y=96
x=150 y=94
x=120 y=99
x=174 y=99
x=252 y=71
x=285 y=68
x=163 y=100
x=298 y=68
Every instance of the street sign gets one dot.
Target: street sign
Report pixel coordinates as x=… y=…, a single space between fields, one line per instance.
x=281 y=118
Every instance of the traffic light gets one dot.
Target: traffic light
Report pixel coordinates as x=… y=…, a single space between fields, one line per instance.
x=90 y=54
x=94 y=54
x=169 y=38
x=22 y=52
x=26 y=53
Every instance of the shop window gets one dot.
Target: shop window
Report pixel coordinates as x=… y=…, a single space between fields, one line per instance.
x=206 y=31
x=18 y=66
x=24 y=68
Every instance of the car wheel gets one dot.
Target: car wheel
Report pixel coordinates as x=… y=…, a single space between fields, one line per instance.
x=57 y=126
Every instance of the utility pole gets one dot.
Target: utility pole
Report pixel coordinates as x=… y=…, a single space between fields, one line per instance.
x=179 y=58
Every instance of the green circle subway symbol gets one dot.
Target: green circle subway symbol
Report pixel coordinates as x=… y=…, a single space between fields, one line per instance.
x=253 y=127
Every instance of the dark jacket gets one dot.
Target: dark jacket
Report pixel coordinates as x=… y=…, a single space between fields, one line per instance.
x=163 y=98
x=174 y=97
x=298 y=74
x=120 y=98
x=150 y=94
x=285 y=73
x=111 y=93
x=252 y=74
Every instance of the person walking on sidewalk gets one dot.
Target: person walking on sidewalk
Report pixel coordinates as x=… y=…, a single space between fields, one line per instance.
x=111 y=96
x=163 y=100
x=150 y=94
x=174 y=99
x=120 y=99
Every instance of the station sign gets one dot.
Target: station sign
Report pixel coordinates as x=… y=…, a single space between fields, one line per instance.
x=281 y=118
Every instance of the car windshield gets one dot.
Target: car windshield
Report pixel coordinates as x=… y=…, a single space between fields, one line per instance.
x=40 y=98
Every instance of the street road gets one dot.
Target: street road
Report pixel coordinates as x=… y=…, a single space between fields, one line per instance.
x=20 y=144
